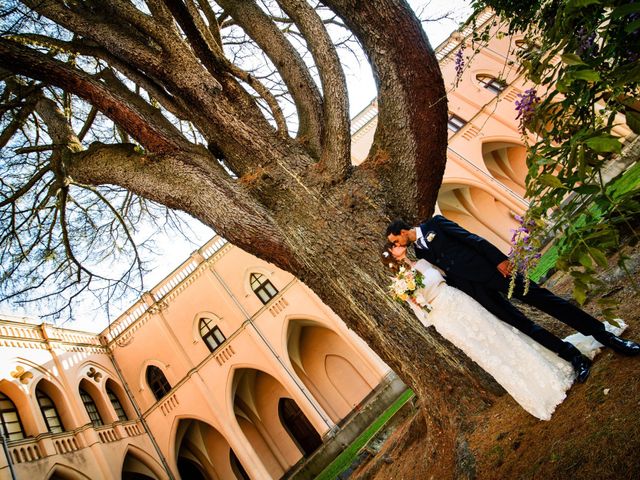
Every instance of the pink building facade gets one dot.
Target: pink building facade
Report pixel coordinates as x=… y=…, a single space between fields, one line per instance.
x=229 y=368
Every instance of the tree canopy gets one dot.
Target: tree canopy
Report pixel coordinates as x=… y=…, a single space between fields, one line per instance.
x=109 y=107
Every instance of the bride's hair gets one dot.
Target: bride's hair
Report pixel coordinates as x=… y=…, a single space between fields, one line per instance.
x=388 y=259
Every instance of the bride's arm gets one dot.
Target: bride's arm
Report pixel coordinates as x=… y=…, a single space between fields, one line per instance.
x=420 y=313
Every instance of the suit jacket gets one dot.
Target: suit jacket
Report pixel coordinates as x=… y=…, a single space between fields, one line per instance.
x=461 y=254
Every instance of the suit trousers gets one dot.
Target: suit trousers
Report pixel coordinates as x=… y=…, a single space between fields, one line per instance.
x=492 y=295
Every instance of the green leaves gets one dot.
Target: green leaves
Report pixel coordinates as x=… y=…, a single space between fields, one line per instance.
x=571 y=59
x=551 y=181
x=633 y=120
x=624 y=10
x=575 y=4
x=585 y=74
x=597 y=79
x=604 y=144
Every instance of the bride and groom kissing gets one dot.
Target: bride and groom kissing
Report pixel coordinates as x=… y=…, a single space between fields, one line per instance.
x=469 y=307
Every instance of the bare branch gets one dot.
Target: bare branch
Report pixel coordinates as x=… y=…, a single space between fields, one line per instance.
x=290 y=65
x=137 y=123
x=26 y=187
x=336 y=138
x=88 y=122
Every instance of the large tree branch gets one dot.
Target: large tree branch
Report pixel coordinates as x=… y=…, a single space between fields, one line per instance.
x=185 y=180
x=121 y=40
x=336 y=138
x=142 y=125
x=212 y=57
x=171 y=103
x=196 y=186
x=411 y=101
x=289 y=64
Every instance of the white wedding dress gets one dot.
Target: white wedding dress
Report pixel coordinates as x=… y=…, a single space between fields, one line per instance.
x=535 y=377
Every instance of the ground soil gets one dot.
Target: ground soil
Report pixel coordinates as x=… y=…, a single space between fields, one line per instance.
x=594 y=433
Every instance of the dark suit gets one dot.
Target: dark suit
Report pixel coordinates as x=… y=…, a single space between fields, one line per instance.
x=470 y=262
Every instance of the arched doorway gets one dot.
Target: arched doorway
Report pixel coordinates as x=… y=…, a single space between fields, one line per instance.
x=335 y=374
x=133 y=468
x=190 y=469
x=202 y=452
x=507 y=163
x=479 y=212
x=64 y=472
x=256 y=396
x=300 y=429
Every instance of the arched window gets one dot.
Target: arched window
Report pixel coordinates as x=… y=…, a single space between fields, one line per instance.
x=91 y=408
x=49 y=412
x=117 y=406
x=157 y=382
x=262 y=287
x=455 y=123
x=11 y=424
x=491 y=83
x=211 y=334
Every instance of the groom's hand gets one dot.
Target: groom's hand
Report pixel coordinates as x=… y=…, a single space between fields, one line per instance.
x=505 y=268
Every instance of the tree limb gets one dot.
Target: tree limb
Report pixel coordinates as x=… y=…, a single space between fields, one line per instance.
x=16 y=122
x=212 y=57
x=181 y=182
x=289 y=64
x=410 y=102
x=336 y=138
x=139 y=124
x=26 y=187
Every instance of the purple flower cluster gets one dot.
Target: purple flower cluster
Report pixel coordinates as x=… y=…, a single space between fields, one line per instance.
x=526 y=106
x=586 y=41
x=524 y=254
x=459 y=62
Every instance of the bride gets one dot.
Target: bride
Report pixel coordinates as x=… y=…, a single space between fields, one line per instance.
x=535 y=377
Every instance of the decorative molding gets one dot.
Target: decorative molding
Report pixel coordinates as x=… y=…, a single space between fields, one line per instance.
x=22 y=375
x=93 y=373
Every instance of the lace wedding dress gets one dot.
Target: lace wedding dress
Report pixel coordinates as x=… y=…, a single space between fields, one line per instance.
x=534 y=376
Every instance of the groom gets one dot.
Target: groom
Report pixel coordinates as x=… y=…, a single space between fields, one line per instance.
x=479 y=269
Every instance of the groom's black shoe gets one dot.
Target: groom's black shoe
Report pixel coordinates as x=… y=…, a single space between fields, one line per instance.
x=582 y=367
x=620 y=345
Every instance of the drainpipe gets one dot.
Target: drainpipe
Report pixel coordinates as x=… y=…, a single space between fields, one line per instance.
x=140 y=416
x=6 y=452
x=248 y=317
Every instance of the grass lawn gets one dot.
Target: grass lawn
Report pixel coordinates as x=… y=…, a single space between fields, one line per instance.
x=346 y=458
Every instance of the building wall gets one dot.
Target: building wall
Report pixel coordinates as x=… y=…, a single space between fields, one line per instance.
x=218 y=405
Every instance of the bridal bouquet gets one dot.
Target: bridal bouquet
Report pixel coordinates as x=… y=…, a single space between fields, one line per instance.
x=405 y=286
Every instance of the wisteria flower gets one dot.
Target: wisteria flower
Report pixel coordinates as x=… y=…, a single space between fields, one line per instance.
x=526 y=107
x=459 y=59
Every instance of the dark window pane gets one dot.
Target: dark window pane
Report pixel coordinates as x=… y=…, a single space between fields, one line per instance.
x=91 y=408
x=491 y=83
x=117 y=406
x=10 y=419
x=212 y=335
x=263 y=287
x=157 y=382
x=455 y=123
x=49 y=412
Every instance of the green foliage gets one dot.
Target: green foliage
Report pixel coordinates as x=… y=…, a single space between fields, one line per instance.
x=584 y=57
